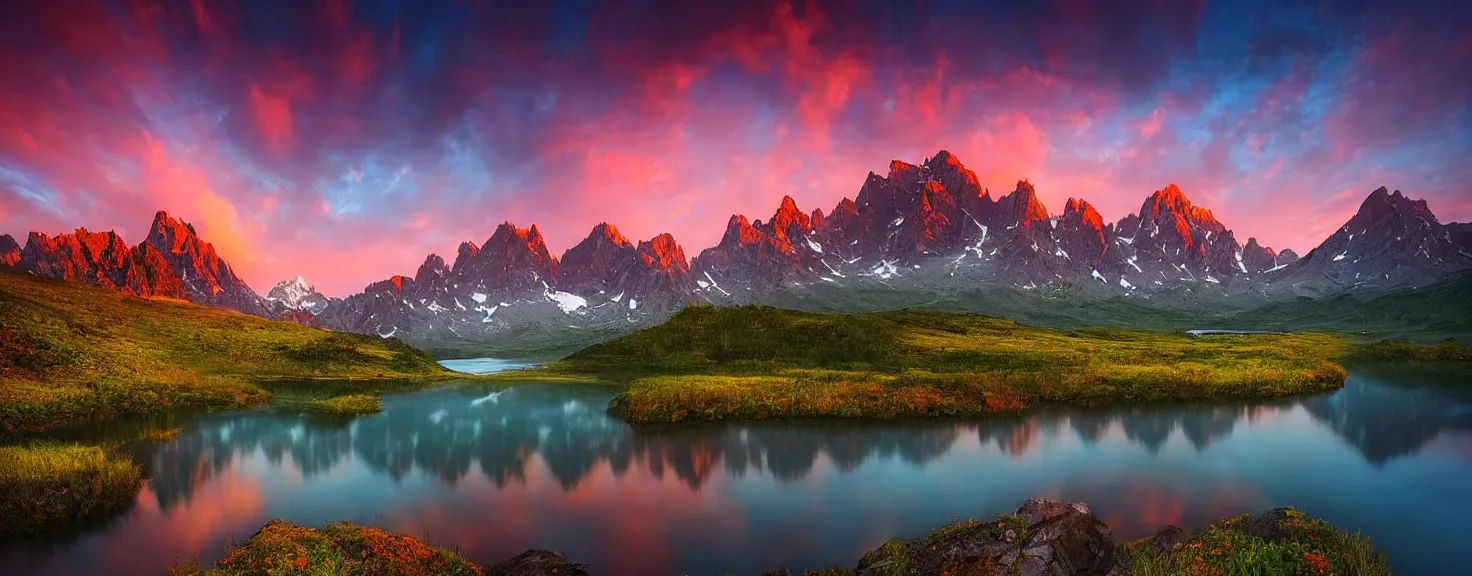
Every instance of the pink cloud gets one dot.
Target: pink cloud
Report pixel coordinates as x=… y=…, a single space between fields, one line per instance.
x=1153 y=124
x=673 y=133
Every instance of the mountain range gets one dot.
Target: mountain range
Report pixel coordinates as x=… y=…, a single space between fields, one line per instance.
x=926 y=228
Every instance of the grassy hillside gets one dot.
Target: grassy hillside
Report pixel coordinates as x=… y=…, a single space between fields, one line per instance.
x=757 y=362
x=70 y=351
x=1430 y=313
x=1049 y=307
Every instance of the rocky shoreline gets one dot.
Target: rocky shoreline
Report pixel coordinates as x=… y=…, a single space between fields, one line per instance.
x=1043 y=537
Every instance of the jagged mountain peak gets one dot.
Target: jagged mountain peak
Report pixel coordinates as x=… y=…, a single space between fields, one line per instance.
x=207 y=276
x=464 y=254
x=787 y=213
x=9 y=250
x=433 y=265
x=1170 y=201
x=1382 y=203
x=1022 y=206
x=100 y=258
x=1079 y=210
x=957 y=178
x=296 y=294
x=1391 y=241
x=596 y=262
x=508 y=237
x=739 y=231
x=1258 y=258
x=608 y=233
x=944 y=158
x=788 y=222
x=901 y=171
x=513 y=259
x=663 y=252
x=176 y=231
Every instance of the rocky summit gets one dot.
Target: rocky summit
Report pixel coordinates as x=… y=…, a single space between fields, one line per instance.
x=207 y=278
x=9 y=250
x=1391 y=242
x=172 y=262
x=296 y=295
x=101 y=258
x=921 y=229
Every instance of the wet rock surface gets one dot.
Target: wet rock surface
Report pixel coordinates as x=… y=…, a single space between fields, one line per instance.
x=538 y=563
x=1044 y=537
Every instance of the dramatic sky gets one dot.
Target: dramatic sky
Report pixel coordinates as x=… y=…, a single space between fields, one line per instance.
x=346 y=140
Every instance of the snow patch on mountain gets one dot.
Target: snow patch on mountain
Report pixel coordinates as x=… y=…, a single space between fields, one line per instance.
x=296 y=294
x=567 y=302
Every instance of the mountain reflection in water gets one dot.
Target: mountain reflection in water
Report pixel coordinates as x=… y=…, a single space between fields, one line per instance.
x=496 y=471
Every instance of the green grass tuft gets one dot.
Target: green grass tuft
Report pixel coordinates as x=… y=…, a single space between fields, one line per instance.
x=44 y=484
x=1280 y=542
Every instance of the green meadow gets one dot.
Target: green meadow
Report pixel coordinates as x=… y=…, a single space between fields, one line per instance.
x=756 y=362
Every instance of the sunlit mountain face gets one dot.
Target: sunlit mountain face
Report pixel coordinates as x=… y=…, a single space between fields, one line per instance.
x=345 y=141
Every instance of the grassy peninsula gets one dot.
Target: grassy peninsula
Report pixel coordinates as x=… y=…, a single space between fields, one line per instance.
x=71 y=351
x=756 y=362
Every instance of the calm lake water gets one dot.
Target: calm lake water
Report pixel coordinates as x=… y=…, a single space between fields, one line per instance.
x=495 y=472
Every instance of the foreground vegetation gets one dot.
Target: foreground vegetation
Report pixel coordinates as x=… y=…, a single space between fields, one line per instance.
x=286 y=549
x=71 y=351
x=281 y=547
x=757 y=362
x=1045 y=535
x=1283 y=541
x=44 y=484
x=1280 y=542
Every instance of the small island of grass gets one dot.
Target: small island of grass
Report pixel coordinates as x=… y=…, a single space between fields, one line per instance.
x=347 y=405
x=755 y=362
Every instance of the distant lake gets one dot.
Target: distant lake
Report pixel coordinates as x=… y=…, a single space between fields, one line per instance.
x=494 y=472
x=484 y=365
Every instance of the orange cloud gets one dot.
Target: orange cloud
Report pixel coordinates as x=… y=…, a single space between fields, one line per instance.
x=184 y=188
